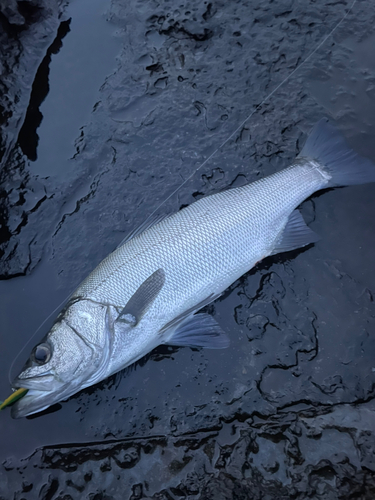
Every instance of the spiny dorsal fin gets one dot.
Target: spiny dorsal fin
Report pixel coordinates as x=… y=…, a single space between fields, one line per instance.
x=147 y=224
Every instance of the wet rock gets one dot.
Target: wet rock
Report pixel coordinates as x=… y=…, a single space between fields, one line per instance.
x=286 y=412
x=27 y=30
x=281 y=465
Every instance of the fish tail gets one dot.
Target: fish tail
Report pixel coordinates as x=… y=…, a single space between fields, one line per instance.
x=328 y=147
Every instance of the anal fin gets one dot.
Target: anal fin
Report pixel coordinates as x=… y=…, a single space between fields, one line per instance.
x=296 y=234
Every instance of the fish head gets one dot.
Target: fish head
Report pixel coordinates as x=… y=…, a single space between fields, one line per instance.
x=61 y=365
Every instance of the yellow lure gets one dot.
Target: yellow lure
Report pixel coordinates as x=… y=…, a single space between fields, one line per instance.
x=15 y=396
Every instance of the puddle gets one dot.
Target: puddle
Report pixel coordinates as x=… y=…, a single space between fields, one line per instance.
x=76 y=72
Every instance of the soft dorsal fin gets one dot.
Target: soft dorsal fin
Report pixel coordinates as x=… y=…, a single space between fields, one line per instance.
x=142 y=298
x=147 y=224
x=296 y=234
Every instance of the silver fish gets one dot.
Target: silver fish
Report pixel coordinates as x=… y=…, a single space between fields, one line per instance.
x=149 y=290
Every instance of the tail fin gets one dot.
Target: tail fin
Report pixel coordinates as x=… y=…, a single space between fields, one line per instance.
x=328 y=147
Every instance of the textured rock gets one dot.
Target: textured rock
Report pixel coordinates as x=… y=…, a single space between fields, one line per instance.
x=27 y=30
x=286 y=411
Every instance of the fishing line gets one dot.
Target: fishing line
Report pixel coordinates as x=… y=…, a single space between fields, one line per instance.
x=322 y=42
x=253 y=112
x=58 y=308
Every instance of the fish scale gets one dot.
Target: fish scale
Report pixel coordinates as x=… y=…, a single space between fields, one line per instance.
x=204 y=247
x=149 y=290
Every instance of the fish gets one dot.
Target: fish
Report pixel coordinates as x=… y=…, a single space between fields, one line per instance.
x=149 y=290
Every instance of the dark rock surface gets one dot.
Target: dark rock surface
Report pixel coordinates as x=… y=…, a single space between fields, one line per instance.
x=285 y=412
x=27 y=30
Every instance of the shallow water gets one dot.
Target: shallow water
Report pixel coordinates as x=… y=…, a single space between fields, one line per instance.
x=286 y=411
x=74 y=75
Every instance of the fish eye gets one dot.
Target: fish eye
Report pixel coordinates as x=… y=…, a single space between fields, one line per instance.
x=41 y=354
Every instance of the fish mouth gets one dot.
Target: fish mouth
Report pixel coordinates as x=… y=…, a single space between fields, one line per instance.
x=33 y=402
x=42 y=384
x=43 y=392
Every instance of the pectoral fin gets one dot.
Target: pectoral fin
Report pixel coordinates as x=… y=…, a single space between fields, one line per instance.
x=142 y=298
x=198 y=330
